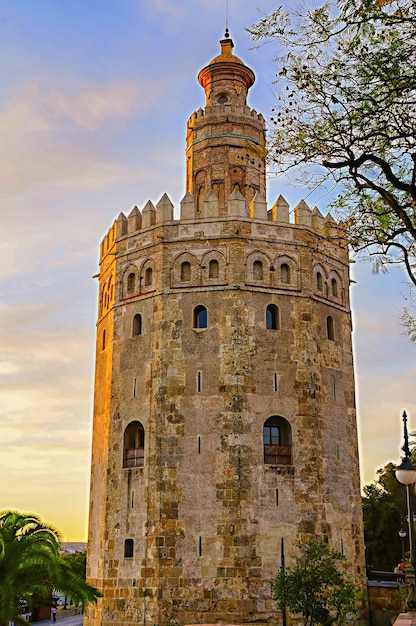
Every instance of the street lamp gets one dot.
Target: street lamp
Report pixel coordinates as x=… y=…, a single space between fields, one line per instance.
x=402 y=535
x=406 y=474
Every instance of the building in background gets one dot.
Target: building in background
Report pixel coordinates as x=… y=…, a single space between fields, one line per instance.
x=224 y=416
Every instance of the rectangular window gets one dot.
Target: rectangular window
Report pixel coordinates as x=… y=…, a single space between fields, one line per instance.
x=132 y=499
x=277 y=497
x=275 y=382
x=134 y=387
x=199 y=382
x=200 y=546
x=334 y=390
x=199 y=444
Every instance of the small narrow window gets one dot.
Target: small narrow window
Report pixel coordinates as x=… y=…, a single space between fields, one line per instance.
x=334 y=287
x=334 y=390
x=186 y=271
x=341 y=547
x=275 y=382
x=214 y=269
x=137 y=324
x=330 y=332
x=272 y=317
x=132 y=500
x=258 y=270
x=338 y=451
x=131 y=282
x=200 y=317
x=277 y=497
x=134 y=387
x=103 y=343
x=128 y=548
x=198 y=382
x=319 y=281
x=200 y=546
x=148 y=277
x=199 y=444
x=285 y=273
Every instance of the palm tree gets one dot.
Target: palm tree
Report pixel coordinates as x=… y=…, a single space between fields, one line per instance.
x=31 y=566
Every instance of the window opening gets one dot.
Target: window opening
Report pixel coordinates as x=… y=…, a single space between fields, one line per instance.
x=200 y=317
x=272 y=317
x=128 y=548
x=285 y=273
x=198 y=382
x=200 y=546
x=148 y=277
x=214 y=269
x=137 y=325
x=334 y=287
x=186 y=271
x=133 y=447
x=103 y=343
x=277 y=497
x=131 y=282
x=134 y=387
x=330 y=332
x=199 y=444
x=258 y=270
x=319 y=281
x=275 y=382
x=132 y=499
x=277 y=441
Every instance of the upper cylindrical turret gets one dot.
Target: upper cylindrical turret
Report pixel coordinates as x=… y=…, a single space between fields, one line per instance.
x=225 y=143
x=226 y=79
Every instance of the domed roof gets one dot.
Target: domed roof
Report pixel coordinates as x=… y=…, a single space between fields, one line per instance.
x=226 y=55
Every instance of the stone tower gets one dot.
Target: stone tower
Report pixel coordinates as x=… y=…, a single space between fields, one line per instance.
x=224 y=418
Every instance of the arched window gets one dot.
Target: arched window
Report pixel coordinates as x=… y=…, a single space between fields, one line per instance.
x=214 y=269
x=272 y=317
x=103 y=342
x=334 y=287
x=200 y=317
x=186 y=271
x=131 y=283
x=319 y=281
x=133 y=445
x=148 y=277
x=137 y=324
x=277 y=441
x=129 y=548
x=285 y=273
x=330 y=330
x=258 y=270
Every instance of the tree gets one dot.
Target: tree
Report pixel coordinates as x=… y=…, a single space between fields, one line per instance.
x=317 y=588
x=347 y=108
x=384 y=512
x=31 y=566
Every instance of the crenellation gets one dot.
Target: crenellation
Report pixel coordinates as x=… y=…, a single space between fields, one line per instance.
x=164 y=210
x=134 y=220
x=317 y=219
x=210 y=205
x=280 y=210
x=303 y=213
x=236 y=204
x=120 y=228
x=148 y=215
x=258 y=207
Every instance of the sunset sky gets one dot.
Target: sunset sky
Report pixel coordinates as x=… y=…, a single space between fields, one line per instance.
x=95 y=95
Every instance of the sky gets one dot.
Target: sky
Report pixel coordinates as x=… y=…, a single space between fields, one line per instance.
x=94 y=98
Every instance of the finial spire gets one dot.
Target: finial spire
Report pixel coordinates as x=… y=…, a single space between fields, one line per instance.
x=227 y=32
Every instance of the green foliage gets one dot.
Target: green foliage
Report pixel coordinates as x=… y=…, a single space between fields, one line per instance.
x=31 y=566
x=384 y=512
x=317 y=588
x=346 y=107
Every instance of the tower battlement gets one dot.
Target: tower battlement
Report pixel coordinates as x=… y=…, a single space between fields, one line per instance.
x=270 y=222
